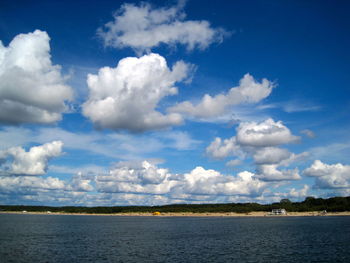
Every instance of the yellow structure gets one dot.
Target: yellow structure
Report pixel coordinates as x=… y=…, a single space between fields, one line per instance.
x=156 y=213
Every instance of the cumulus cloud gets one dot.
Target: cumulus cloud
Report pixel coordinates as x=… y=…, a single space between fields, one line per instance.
x=201 y=181
x=299 y=193
x=248 y=91
x=220 y=149
x=149 y=179
x=275 y=155
x=16 y=161
x=126 y=97
x=264 y=134
x=44 y=189
x=80 y=183
x=329 y=176
x=138 y=178
x=29 y=184
x=143 y=27
x=260 y=141
x=32 y=90
x=270 y=155
x=269 y=172
x=257 y=139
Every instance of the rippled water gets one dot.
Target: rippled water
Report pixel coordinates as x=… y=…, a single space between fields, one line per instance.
x=62 y=238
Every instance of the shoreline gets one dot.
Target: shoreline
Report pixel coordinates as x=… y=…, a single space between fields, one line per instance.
x=189 y=214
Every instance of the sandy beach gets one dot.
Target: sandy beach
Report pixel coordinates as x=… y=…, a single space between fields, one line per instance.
x=188 y=214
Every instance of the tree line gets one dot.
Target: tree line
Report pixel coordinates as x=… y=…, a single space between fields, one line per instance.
x=333 y=204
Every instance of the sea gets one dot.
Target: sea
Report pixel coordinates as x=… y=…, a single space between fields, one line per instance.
x=80 y=238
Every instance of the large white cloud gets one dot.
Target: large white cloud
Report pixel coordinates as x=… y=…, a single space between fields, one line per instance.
x=219 y=149
x=275 y=155
x=264 y=134
x=149 y=179
x=32 y=90
x=16 y=161
x=270 y=155
x=248 y=91
x=29 y=184
x=269 y=172
x=329 y=176
x=210 y=182
x=80 y=183
x=138 y=178
x=143 y=27
x=260 y=141
x=126 y=97
x=257 y=139
x=46 y=187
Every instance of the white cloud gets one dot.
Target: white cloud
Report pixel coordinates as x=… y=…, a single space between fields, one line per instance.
x=210 y=182
x=139 y=178
x=275 y=155
x=248 y=91
x=45 y=188
x=149 y=179
x=220 y=149
x=143 y=27
x=270 y=155
x=269 y=172
x=16 y=161
x=264 y=134
x=299 y=193
x=329 y=176
x=146 y=174
x=80 y=183
x=257 y=139
x=126 y=97
x=32 y=90
x=29 y=184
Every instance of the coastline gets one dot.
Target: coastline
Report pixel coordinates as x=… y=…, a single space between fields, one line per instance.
x=189 y=214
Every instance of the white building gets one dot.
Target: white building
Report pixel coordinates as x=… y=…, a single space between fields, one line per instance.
x=280 y=211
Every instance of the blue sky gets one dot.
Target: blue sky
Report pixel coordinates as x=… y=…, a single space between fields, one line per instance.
x=148 y=103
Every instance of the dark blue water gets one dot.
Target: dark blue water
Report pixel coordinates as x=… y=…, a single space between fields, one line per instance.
x=60 y=238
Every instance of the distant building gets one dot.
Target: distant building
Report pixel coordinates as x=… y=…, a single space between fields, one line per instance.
x=156 y=213
x=280 y=211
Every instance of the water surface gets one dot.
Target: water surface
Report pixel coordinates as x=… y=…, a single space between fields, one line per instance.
x=66 y=238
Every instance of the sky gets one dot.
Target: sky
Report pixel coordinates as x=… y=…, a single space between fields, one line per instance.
x=119 y=103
